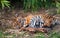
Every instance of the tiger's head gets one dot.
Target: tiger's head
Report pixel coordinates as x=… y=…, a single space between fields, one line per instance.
x=49 y=20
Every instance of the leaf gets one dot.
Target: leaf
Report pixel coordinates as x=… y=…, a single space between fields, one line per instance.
x=5 y=3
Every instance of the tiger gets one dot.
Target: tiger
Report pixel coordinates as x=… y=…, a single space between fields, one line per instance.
x=35 y=22
x=46 y=20
x=32 y=20
x=38 y=21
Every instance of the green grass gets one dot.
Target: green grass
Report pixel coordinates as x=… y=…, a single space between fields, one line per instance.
x=55 y=35
x=37 y=35
x=33 y=5
x=2 y=35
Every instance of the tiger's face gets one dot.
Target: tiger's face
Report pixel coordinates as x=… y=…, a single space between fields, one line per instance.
x=49 y=20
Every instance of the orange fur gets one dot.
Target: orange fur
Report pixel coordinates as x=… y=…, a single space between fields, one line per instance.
x=47 y=18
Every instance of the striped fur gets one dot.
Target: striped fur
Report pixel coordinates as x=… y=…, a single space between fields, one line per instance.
x=43 y=20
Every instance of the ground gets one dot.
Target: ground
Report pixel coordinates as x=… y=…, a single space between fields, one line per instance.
x=5 y=24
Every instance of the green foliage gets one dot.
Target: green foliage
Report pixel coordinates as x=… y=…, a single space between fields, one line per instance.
x=7 y=35
x=1 y=34
x=30 y=4
x=40 y=35
x=58 y=7
x=54 y=35
x=37 y=4
x=37 y=35
x=4 y=3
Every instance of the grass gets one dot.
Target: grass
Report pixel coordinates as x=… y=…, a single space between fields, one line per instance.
x=37 y=35
x=2 y=35
x=55 y=35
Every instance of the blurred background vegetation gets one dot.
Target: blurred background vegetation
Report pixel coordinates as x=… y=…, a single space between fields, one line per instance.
x=30 y=5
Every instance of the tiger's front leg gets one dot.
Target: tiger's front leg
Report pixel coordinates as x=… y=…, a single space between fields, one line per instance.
x=42 y=30
x=34 y=29
x=27 y=29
